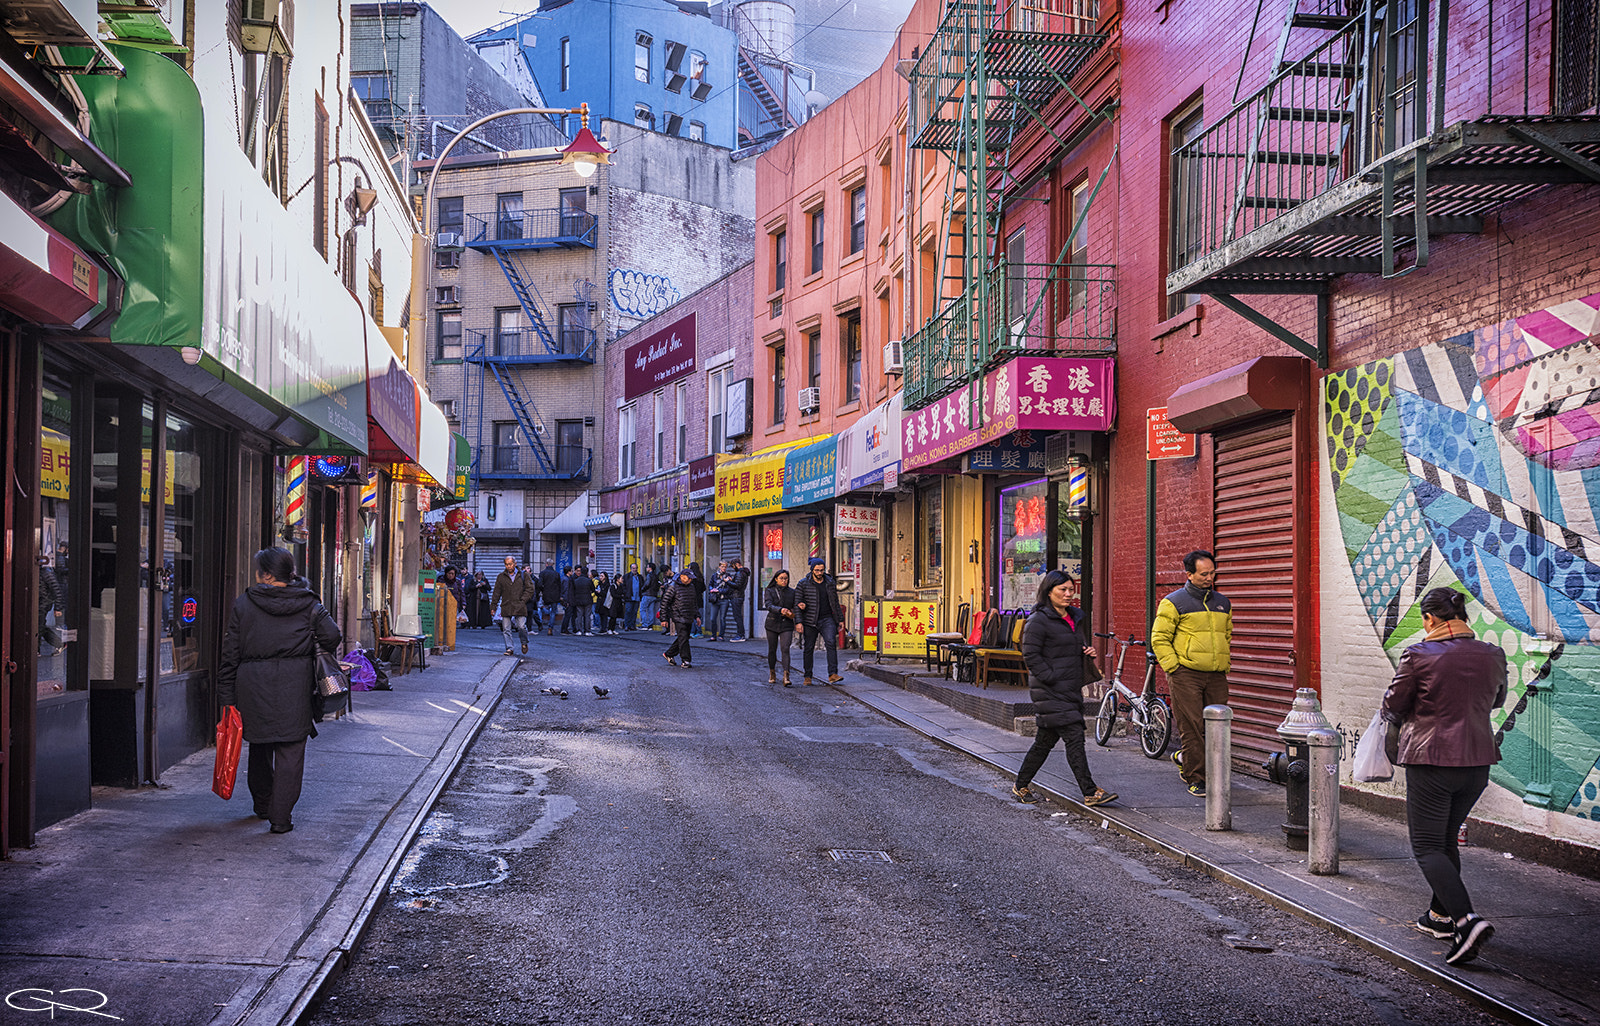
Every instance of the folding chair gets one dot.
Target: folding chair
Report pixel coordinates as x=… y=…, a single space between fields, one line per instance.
x=934 y=649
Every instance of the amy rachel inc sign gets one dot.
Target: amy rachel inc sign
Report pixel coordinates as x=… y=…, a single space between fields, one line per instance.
x=660 y=358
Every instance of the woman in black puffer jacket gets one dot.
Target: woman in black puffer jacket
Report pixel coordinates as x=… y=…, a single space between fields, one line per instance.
x=267 y=668
x=1055 y=641
x=779 y=601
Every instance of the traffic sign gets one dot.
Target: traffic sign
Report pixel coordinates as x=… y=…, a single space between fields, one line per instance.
x=1162 y=441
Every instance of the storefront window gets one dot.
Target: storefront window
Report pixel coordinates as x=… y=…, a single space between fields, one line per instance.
x=56 y=582
x=180 y=581
x=771 y=542
x=1067 y=550
x=930 y=534
x=1024 y=522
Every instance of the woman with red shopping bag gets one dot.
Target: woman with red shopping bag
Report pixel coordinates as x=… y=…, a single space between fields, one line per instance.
x=268 y=665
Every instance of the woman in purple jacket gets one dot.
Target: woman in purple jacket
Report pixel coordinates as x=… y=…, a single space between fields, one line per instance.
x=1444 y=691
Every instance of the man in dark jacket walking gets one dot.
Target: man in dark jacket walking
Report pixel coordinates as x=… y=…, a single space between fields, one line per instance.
x=511 y=595
x=550 y=596
x=266 y=669
x=630 y=587
x=817 y=599
x=680 y=601
x=733 y=593
x=582 y=601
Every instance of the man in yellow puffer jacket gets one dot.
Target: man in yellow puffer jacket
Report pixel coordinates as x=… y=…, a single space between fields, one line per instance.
x=1191 y=639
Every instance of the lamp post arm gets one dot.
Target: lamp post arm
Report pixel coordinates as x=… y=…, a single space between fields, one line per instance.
x=438 y=162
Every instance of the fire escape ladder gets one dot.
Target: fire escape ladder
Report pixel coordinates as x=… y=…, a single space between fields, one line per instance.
x=771 y=104
x=528 y=298
x=527 y=416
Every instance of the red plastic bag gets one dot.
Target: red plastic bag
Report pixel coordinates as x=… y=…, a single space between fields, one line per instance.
x=230 y=737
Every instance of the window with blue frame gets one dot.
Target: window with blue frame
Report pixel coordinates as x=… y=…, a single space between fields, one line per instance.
x=641 y=56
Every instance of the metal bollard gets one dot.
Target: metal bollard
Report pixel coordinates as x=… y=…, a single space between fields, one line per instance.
x=1219 y=767
x=1322 y=856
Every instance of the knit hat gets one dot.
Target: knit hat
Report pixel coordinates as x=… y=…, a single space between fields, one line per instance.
x=817 y=561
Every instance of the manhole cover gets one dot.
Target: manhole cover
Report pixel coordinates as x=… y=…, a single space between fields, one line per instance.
x=858 y=855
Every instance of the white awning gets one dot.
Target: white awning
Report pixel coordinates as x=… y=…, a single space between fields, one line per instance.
x=603 y=521
x=570 y=520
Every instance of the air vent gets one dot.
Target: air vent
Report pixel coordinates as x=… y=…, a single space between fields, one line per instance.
x=810 y=399
x=449 y=240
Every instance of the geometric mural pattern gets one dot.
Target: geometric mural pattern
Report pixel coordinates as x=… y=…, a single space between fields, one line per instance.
x=1474 y=463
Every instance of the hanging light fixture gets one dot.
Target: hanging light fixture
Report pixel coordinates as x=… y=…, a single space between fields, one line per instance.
x=585 y=152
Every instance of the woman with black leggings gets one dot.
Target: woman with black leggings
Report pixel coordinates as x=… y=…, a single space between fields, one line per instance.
x=1444 y=691
x=779 y=602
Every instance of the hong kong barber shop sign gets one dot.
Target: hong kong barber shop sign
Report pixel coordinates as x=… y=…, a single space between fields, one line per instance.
x=1053 y=393
x=660 y=358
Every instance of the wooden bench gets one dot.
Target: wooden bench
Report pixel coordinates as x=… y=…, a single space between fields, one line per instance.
x=1003 y=659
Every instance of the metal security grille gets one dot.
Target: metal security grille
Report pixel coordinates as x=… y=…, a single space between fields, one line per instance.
x=490 y=557
x=1576 y=48
x=858 y=855
x=608 y=551
x=732 y=546
x=1254 y=506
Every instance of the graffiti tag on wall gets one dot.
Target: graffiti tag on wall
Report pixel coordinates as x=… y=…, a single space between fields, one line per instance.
x=641 y=295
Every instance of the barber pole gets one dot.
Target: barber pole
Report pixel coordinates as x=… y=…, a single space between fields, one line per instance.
x=295 y=512
x=369 y=491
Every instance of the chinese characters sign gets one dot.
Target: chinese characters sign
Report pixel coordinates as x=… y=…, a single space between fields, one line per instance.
x=1053 y=393
x=750 y=486
x=809 y=474
x=659 y=358
x=652 y=498
x=902 y=627
x=855 y=521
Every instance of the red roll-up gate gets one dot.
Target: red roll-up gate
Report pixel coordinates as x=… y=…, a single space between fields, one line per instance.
x=1255 y=524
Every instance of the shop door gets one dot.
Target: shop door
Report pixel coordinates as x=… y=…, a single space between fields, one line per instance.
x=1254 y=510
x=608 y=551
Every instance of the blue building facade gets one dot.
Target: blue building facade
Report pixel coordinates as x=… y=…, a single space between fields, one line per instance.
x=666 y=67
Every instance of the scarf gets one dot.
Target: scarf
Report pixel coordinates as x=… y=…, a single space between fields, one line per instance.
x=1448 y=630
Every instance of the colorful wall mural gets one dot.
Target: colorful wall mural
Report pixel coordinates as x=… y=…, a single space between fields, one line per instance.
x=1474 y=463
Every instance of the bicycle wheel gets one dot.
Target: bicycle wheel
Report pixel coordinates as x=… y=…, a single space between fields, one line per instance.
x=1106 y=719
x=1157 y=729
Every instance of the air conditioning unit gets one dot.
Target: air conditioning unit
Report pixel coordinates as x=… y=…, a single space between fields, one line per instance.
x=447 y=295
x=267 y=26
x=810 y=399
x=894 y=357
x=449 y=240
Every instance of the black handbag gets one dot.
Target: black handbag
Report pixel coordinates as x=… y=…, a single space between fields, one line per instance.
x=331 y=679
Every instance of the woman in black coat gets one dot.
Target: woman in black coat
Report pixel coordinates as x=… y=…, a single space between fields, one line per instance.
x=778 y=600
x=1055 y=642
x=268 y=664
x=620 y=596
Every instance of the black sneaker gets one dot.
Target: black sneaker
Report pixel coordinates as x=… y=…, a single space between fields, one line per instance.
x=1470 y=938
x=1442 y=928
x=1198 y=788
x=1025 y=795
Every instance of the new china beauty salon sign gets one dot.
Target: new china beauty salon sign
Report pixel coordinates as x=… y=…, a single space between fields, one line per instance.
x=659 y=358
x=1052 y=393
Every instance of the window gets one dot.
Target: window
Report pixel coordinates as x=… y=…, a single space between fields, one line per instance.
x=814 y=358
x=641 y=57
x=683 y=422
x=625 y=442
x=930 y=535
x=858 y=218
x=507 y=453
x=508 y=215
x=672 y=61
x=508 y=331
x=1188 y=235
x=697 y=131
x=780 y=260
x=717 y=410
x=449 y=218
x=850 y=353
x=643 y=117
x=1017 y=281
x=572 y=328
x=1576 y=25
x=449 y=335
x=575 y=218
x=660 y=431
x=698 y=74
x=1078 y=248
x=778 y=405
x=816 y=242
x=570 y=455
x=370 y=85
x=566 y=64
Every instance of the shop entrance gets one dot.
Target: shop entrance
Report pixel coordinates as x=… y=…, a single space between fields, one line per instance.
x=1038 y=532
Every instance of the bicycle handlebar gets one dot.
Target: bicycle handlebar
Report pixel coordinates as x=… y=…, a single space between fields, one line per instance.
x=1112 y=637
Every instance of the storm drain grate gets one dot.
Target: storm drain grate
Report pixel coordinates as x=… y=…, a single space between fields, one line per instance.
x=858 y=855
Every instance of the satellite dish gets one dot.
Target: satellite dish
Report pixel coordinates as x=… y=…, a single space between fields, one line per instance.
x=815 y=99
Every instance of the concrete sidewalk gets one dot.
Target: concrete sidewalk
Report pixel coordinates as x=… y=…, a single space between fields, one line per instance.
x=170 y=907
x=1540 y=967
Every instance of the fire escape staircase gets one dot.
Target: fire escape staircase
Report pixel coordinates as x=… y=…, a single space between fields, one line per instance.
x=987 y=75
x=1341 y=163
x=771 y=104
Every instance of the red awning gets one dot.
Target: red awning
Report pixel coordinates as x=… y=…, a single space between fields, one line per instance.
x=1256 y=386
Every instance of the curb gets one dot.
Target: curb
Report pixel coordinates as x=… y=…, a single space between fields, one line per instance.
x=309 y=988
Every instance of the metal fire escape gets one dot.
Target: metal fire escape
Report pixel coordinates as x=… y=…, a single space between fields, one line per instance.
x=1343 y=161
x=506 y=352
x=985 y=79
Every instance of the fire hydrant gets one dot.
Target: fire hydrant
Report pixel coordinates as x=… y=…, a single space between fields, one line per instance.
x=1292 y=766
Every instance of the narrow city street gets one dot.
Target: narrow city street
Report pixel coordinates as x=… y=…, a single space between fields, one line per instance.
x=701 y=846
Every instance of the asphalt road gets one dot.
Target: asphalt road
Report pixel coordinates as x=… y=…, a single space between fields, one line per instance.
x=667 y=855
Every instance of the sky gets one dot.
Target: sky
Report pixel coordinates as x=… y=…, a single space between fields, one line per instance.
x=469 y=16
